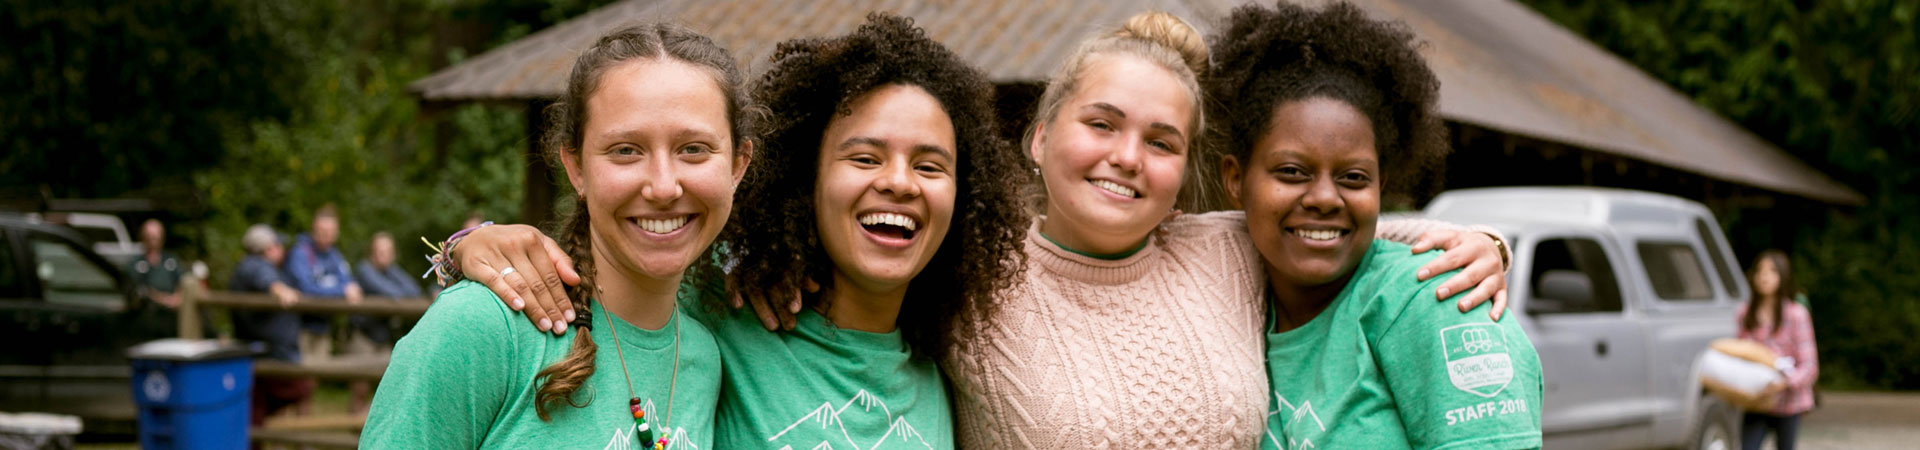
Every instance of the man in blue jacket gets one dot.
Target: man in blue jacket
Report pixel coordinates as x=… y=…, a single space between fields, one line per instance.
x=316 y=268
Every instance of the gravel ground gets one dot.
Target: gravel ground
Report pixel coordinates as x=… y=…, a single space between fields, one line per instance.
x=1862 y=420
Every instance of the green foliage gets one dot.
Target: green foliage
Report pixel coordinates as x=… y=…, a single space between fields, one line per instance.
x=1836 y=83
x=107 y=97
x=358 y=139
x=264 y=111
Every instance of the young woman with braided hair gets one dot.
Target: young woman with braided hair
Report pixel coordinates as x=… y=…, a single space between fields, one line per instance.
x=652 y=132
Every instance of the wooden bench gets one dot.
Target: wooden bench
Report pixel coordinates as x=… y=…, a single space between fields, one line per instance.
x=329 y=431
x=339 y=368
x=345 y=368
x=196 y=298
x=306 y=438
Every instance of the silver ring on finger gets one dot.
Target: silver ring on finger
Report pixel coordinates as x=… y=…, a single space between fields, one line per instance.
x=506 y=271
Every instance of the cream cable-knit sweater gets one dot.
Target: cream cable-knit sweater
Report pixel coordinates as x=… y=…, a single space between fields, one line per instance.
x=1162 y=349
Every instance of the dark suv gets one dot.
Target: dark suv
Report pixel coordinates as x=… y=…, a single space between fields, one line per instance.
x=70 y=316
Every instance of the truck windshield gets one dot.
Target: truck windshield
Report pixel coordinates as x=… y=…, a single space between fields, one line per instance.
x=1718 y=255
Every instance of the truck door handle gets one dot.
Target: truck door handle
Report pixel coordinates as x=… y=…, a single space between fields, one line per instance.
x=1600 y=348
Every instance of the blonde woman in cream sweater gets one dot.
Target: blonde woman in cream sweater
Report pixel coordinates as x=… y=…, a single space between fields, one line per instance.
x=1132 y=326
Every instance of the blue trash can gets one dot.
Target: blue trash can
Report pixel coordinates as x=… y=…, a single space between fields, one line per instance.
x=191 y=394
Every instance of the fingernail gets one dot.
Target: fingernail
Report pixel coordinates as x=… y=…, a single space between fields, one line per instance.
x=560 y=328
x=1443 y=292
x=1423 y=274
x=517 y=304
x=546 y=324
x=569 y=315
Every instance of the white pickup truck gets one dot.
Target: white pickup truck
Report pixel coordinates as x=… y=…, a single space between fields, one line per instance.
x=1620 y=291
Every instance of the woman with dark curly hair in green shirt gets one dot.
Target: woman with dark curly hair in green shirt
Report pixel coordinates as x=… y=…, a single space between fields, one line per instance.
x=1332 y=112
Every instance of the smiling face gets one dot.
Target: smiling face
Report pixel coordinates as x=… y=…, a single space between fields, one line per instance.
x=1311 y=191
x=886 y=186
x=656 y=167
x=1114 y=154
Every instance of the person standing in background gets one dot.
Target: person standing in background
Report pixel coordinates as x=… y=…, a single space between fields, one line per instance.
x=381 y=276
x=156 y=273
x=316 y=268
x=1775 y=320
x=280 y=330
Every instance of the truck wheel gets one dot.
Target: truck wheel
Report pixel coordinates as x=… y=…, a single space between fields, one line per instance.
x=1719 y=426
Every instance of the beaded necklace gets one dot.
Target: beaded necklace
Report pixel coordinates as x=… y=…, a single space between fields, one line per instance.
x=642 y=429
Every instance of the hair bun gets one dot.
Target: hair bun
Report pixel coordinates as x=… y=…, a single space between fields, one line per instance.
x=1169 y=31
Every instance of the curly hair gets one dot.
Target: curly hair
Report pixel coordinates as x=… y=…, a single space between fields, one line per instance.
x=567 y=119
x=813 y=80
x=1265 y=57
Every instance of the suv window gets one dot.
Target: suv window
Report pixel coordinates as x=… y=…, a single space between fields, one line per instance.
x=1675 y=271
x=1572 y=275
x=68 y=277
x=99 y=235
x=11 y=283
x=1719 y=257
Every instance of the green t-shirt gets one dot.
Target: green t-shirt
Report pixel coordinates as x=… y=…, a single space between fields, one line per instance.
x=162 y=277
x=820 y=386
x=1386 y=366
x=464 y=378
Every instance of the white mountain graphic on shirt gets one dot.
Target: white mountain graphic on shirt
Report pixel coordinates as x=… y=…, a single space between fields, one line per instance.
x=625 y=438
x=829 y=421
x=1296 y=417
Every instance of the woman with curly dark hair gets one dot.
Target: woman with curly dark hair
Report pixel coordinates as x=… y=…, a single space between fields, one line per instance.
x=880 y=177
x=1331 y=112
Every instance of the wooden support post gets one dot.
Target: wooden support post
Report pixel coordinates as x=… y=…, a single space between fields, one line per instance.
x=189 y=310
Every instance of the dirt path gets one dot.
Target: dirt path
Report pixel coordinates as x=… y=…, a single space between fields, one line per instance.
x=1862 y=420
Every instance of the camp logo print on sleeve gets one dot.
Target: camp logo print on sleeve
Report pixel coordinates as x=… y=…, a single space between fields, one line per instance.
x=1477 y=359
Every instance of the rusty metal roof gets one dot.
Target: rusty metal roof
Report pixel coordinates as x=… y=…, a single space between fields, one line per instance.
x=1013 y=40
x=1501 y=66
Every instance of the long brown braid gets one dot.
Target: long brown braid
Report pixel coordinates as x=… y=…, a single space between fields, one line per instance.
x=567 y=118
x=565 y=377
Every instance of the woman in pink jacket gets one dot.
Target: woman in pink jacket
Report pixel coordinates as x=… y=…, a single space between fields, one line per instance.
x=1773 y=319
